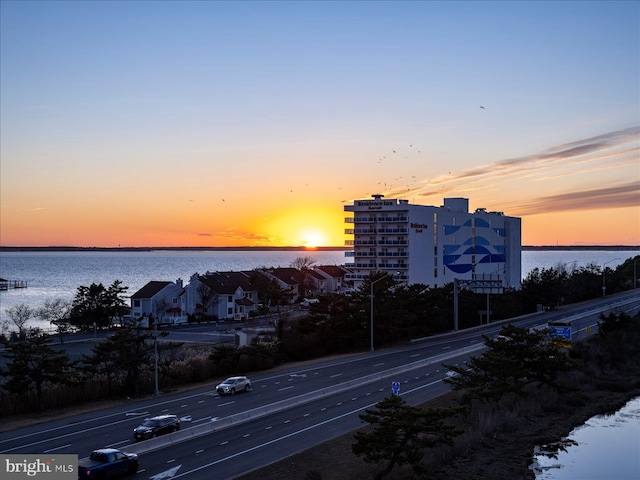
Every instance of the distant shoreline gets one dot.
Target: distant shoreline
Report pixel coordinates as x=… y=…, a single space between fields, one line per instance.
x=291 y=248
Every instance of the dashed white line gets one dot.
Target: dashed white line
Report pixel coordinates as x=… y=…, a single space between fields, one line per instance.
x=205 y=419
x=57 y=448
x=336 y=375
x=285 y=388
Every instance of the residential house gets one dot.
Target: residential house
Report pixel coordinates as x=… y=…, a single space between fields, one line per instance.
x=290 y=280
x=334 y=278
x=159 y=302
x=221 y=295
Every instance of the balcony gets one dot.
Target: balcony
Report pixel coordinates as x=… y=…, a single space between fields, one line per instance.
x=392 y=242
x=393 y=254
x=394 y=266
x=393 y=230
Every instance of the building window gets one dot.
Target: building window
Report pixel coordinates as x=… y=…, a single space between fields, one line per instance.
x=136 y=303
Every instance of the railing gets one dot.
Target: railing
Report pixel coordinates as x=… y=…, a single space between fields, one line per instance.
x=7 y=284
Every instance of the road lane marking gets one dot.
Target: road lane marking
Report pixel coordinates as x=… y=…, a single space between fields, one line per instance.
x=285 y=388
x=166 y=474
x=289 y=435
x=225 y=404
x=57 y=448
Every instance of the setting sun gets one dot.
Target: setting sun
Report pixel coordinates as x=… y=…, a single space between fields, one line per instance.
x=313 y=239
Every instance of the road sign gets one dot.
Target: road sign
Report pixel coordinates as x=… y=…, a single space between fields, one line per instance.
x=559 y=332
x=395 y=388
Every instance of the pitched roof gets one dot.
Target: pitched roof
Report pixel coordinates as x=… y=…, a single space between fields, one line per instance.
x=334 y=271
x=226 y=282
x=290 y=276
x=150 y=289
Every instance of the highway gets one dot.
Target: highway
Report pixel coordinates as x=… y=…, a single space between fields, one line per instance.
x=288 y=410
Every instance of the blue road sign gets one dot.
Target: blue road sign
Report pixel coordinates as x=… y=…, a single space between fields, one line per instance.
x=395 y=388
x=560 y=332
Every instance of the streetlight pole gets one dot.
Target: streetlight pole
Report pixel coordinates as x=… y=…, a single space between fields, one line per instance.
x=372 y=283
x=155 y=358
x=604 y=287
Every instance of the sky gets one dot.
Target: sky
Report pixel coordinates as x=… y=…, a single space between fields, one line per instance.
x=212 y=123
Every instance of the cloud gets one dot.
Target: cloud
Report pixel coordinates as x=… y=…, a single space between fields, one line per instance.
x=593 y=154
x=627 y=195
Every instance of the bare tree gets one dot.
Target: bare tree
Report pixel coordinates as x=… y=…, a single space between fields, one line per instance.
x=19 y=315
x=303 y=263
x=57 y=312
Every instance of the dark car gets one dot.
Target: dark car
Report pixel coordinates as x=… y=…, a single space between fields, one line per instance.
x=152 y=427
x=106 y=463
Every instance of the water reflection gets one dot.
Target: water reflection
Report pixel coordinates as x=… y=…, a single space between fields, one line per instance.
x=606 y=446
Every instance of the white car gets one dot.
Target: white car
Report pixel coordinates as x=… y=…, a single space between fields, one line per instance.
x=308 y=301
x=232 y=385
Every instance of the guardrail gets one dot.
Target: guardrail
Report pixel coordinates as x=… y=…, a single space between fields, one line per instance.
x=221 y=423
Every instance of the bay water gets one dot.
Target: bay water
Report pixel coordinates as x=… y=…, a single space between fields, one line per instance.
x=605 y=447
x=57 y=274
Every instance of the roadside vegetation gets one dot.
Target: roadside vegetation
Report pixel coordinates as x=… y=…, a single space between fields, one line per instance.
x=37 y=374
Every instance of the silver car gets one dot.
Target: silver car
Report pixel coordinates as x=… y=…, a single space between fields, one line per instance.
x=232 y=385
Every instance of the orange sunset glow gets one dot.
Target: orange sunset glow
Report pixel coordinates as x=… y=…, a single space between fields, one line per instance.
x=126 y=125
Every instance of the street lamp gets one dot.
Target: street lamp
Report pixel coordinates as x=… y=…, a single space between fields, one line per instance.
x=604 y=287
x=372 y=283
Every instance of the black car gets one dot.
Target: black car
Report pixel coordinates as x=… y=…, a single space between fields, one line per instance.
x=152 y=427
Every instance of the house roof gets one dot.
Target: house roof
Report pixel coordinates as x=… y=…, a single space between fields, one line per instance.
x=244 y=302
x=317 y=275
x=150 y=289
x=290 y=276
x=226 y=282
x=334 y=271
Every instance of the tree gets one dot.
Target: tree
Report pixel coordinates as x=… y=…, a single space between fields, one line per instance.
x=33 y=363
x=401 y=433
x=57 y=312
x=97 y=305
x=303 y=263
x=512 y=360
x=19 y=315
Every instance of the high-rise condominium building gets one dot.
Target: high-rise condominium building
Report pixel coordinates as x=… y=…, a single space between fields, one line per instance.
x=432 y=245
